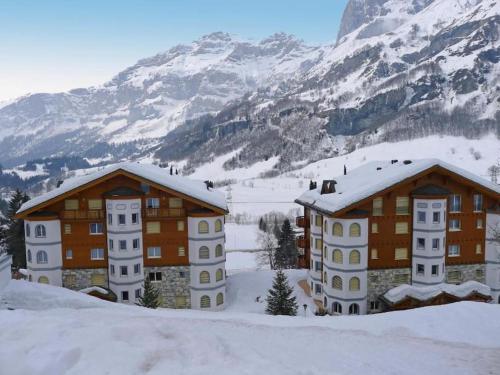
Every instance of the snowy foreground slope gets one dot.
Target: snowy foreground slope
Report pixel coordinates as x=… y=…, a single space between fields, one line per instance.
x=63 y=332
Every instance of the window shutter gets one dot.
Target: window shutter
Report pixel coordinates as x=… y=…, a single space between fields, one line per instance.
x=401 y=227
x=153 y=227
x=354 y=257
x=401 y=253
x=71 y=204
x=95 y=204
x=337 y=256
x=98 y=279
x=174 y=202
x=337 y=230
x=67 y=228
x=377 y=207
x=402 y=205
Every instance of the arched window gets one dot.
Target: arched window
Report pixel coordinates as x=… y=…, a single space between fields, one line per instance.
x=325 y=302
x=337 y=230
x=354 y=257
x=220 y=299
x=204 y=277
x=337 y=256
x=41 y=257
x=203 y=227
x=354 y=230
x=219 y=275
x=337 y=308
x=28 y=230
x=354 y=309
x=29 y=255
x=337 y=282
x=40 y=231
x=43 y=280
x=204 y=253
x=204 y=302
x=325 y=227
x=325 y=277
x=354 y=283
x=218 y=250
x=218 y=225
x=325 y=253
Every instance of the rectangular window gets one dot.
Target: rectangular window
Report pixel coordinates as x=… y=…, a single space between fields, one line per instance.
x=421 y=216
x=154 y=252
x=67 y=228
x=154 y=276
x=122 y=244
x=135 y=243
x=96 y=254
x=145 y=188
x=137 y=268
x=317 y=288
x=153 y=203
x=374 y=227
x=454 y=276
x=135 y=218
x=478 y=202
x=319 y=220
x=378 y=207
x=110 y=219
x=111 y=245
x=421 y=243
x=401 y=278
x=435 y=270
x=402 y=205
x=455 y=203
x=454 y=250
x=401 y=253
x=479 y=249
x=123 y=270
x=374 y=305
x=317 y=266
x=182 y=274
x=454 y=225
x=435 y=244
x=137 y=293
x=180 y=225
x=318 y=243
x=71 y=204
x=153 y=227
x=95 y=204
x=174 y=202
x=124 y=296
x=420 y=269
x=374 y=254
x=121 y=219
x=112 y=269
x=479 y=223
x=401 y=227
x=69 y=254
x=180 y=302
x=181 y=251
x=436 y=217
x=95 y=228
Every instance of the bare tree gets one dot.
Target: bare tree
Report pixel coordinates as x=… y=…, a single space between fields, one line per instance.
x=268 y=244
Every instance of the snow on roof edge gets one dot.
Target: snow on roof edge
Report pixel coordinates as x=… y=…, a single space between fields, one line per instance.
x=193 y=188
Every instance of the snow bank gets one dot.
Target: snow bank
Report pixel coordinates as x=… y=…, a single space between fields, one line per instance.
x=94 y=289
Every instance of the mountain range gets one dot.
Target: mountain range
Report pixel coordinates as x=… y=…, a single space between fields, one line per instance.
x=399 y=69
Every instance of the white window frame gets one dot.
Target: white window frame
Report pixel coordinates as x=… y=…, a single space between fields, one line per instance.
x=94 y=227
x=454 y=253
x=153 y=202
x=156 y=250
x=95 y=254
x=455 y=200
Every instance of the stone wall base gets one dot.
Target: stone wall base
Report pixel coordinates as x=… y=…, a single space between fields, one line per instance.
x=380 y=281
x=174 y=286
x=476 y=272
x=77 y=279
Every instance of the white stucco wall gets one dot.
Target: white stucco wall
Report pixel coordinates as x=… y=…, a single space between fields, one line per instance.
x=5 y=269
x=492 y=256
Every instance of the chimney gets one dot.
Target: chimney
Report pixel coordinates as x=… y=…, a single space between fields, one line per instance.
x=394 y=161
x=210 y=184
x=345 y=170
x=59 y=183
x=328 y=187
x=171 y=170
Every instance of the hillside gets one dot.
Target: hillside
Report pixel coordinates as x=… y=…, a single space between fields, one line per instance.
x=399 y=70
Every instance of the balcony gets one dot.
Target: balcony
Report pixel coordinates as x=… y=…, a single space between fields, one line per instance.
x=302 y=242
x=301 y=221
x=163 y=212
x=82 y=215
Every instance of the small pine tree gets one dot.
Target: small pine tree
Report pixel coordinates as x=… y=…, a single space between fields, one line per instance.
x=286 y=254
x=279 y=299
x=151 y=296
x=14 y=230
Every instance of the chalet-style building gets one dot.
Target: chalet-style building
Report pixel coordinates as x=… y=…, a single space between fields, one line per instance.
x=118 y=225
x=386 y=224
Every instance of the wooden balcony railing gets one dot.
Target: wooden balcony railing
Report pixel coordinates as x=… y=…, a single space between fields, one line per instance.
x=302 y=242
x=301 y=221
x=163 y=212
x=76 y=214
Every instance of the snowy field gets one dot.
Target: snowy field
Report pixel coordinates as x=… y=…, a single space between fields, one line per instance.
x=57 y=331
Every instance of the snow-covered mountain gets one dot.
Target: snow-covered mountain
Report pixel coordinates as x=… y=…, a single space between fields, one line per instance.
x=400 y=69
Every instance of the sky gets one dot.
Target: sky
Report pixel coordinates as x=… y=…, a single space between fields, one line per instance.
x=58 y=45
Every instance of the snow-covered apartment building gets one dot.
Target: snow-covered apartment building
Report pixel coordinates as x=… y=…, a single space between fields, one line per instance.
x=116 y=226
x=398 y=234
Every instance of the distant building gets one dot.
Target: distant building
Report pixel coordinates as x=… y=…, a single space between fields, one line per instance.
x=116 y=226
x=385 y=224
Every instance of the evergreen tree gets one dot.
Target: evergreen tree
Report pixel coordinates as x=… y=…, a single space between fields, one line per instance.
x=286 y=254
x=151 y=296
x=14 y=230
x=276 y=228
x=279 y=299
x=262 y=225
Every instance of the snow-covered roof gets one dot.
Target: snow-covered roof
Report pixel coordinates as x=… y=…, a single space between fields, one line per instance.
x=369 y=179
x=420 y=293
x=193 y=188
